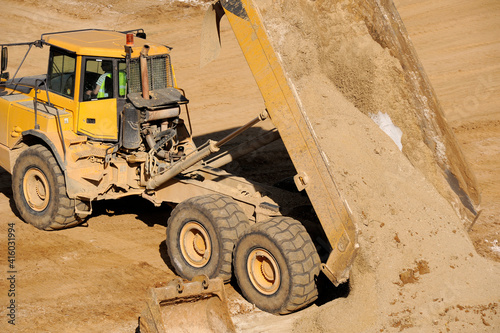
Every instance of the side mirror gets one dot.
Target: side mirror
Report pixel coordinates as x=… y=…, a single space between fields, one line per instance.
x=5 y=58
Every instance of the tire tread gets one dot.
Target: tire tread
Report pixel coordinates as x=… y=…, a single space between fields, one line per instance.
x=229 y=220
x=64 y=215
x=303 y=261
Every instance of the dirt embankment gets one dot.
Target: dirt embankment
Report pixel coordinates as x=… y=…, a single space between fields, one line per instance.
x=458 y=43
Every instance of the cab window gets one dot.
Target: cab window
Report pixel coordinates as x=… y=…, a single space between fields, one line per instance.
x=122 y=78
x=98 y=79
x=61 y=74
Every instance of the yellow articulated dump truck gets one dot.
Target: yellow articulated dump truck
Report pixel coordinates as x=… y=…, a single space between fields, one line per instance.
x=106 y=122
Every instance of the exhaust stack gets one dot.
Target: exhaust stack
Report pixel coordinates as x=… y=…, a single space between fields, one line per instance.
x=144 y=71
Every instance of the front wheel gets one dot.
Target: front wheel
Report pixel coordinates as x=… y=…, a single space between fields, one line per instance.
x=39 y=190
x=276 y=266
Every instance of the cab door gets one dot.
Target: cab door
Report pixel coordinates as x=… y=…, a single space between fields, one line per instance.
x=98 y=110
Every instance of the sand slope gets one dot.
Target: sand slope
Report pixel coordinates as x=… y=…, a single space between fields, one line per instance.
x=413 y=248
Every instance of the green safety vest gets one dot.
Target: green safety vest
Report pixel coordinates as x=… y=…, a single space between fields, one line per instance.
x=102 y=93
x=122 y=83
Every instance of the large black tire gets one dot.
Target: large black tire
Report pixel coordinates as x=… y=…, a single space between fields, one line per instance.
x=39 y=191
x=201 y=233
x=276 y=266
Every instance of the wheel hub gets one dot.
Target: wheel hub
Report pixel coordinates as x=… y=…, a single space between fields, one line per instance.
x=195 y=244
x=36 y=189
x=263 y=271
x=199 y=244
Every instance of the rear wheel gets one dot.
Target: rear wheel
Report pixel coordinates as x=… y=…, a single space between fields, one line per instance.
x=201 y=234
x=39 y=190
x=276 y=265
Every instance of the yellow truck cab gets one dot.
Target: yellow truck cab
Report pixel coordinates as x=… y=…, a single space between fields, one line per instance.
x=78 y=60
x=81 y=59
x=103 y=91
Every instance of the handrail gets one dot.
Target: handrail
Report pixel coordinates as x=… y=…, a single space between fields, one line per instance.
x=35 y=104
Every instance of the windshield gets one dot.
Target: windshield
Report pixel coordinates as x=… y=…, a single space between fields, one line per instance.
x=61 y=76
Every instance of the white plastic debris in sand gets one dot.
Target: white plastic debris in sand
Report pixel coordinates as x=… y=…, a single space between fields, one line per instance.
x=495 y=247
x=383 y=120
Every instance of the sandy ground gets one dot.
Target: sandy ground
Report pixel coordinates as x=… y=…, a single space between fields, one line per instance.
x=94 y=278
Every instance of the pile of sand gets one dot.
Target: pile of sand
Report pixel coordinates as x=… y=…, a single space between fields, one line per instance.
x=417 y=268
x=345 y=51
